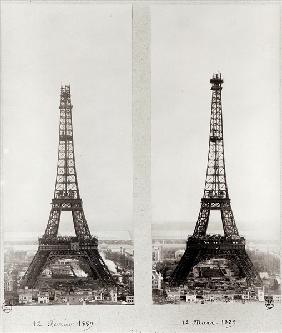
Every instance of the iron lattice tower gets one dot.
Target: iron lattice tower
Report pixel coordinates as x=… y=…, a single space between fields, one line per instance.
x=201 y=246
x=83 y=246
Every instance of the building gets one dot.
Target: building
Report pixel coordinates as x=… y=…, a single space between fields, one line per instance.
x=156 y=255
x=98 y=296
x=129 y=299
x=190 y=298
x=173 y=295
x=113 y=294
x=277 y=298
x=274 y=294
x=43 y=297
x=245 y=296
x=8 y=282
x=156 y=280
x=25 y=296
x=59 y=296
x=253 y=295
x=260 y=292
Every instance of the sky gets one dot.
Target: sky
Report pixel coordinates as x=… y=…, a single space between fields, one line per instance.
x=189 y=44
x=88 y=47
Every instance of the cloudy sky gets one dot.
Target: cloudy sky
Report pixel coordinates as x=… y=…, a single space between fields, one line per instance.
x=88 y=46
x=189 y=44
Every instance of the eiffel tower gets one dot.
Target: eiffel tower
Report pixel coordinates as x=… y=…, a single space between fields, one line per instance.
x=83 y=246
x=201 y=246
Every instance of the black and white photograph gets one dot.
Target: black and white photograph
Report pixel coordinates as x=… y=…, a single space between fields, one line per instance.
x=67 y=170
x=140 y=166
x=215 y=155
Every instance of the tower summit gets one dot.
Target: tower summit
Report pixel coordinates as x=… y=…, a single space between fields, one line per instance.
x=201 y=246
x=83 y=245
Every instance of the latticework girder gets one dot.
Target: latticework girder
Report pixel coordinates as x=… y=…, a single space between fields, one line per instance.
x=67 y=198
x=200 y=246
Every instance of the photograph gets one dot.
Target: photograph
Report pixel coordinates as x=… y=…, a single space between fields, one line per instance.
x=215 y=155
x=66 y=140
x=140 y=166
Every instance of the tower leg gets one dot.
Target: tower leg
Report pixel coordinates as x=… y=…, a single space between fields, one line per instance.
x=184 y=267
x=99 y=268
x=203 y=220
x=53 y=222
x=245 y=265
x=35 y=269
x=227 y=219
x=80 y=224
